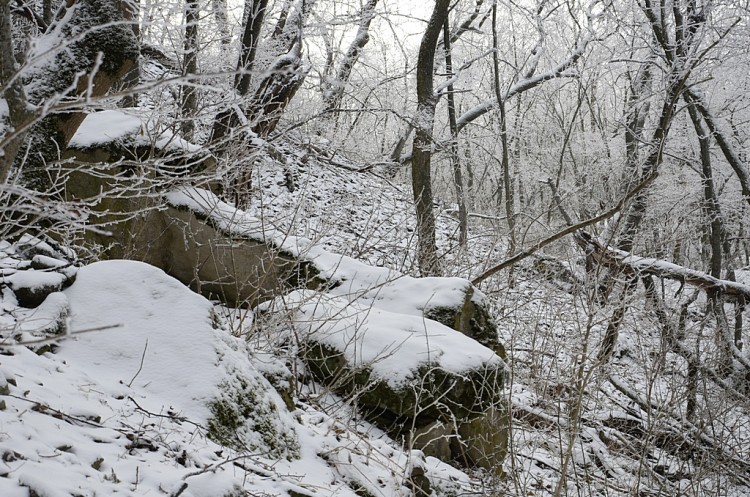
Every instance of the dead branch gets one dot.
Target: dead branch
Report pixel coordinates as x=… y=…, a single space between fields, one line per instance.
x=641 y=266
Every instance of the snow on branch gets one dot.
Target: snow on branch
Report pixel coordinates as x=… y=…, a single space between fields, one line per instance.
x=641 y=266
x=526 y=84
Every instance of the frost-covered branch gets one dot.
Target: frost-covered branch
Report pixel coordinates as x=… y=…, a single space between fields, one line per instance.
x=641 y=266
x=730 y=155
x=567 y=231
x=526 y=84
x=333 y=94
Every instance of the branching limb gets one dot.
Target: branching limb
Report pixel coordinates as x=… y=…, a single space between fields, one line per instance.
x=567 y=231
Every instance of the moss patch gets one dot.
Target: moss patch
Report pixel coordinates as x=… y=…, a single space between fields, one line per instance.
x=244 y=417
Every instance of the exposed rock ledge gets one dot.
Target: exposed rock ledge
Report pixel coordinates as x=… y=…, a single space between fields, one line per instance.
x=420 y=378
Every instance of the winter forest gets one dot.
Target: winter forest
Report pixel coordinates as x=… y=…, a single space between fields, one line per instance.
x=374 y=248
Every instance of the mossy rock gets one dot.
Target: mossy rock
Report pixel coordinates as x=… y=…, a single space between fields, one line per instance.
x=243 y=417
x=471 y=318
x=483 y=441
x=435 y=394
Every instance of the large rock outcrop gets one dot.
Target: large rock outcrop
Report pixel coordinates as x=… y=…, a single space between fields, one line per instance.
x=417 y=354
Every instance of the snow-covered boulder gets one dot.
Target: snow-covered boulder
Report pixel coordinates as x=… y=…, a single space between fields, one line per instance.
x=453 y=302
x=404 y=368
x=412 y=376
x=126 y=410
x=163 y=344
x=32 y=269
x=390 y=339
x=223 y=252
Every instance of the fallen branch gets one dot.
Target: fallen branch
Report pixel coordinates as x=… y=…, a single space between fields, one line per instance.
x=642 y=266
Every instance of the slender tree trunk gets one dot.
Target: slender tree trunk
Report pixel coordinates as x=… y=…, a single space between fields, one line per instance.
x=716 y=230
x=463 y=217
x=189 y=94
x=677 y=50
x=724 y=144
x=219 y=8
x=422 y=146
x=333 y=95
x=254 y=16
x=256 y=13
x=507 y=186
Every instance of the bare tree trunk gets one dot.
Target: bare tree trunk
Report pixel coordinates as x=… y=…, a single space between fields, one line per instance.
x=677 y=49
x=463 y=218
x=188 y=92
x=285 y=74
x=717 y=233
x=729 y=153
x=219 y=8
x=256 y=13
x=254 y=17
x=335 y=91
x=421 y=175
x=637 y=105
x=47 y=11
x=507 y=186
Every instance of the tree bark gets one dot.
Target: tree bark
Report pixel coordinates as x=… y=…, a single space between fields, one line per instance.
x=334 y=93
x=729 y=153
x=188 y=92
x=635 y=266
x=716 y=231
x=219 y=8
x=507 y=186
x=463 y=218
x=421 y=175
x=251 y=36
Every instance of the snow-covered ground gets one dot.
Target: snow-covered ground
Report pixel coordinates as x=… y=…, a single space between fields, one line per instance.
x=123 y=404
x=128 y=405
x=614 y=428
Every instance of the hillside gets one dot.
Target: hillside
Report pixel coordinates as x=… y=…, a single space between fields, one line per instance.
x=126 y=401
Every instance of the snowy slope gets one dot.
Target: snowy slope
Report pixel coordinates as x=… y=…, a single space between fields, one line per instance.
x=127 y=403
x=619 y=428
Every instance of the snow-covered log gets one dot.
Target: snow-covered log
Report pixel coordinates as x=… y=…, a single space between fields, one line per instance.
x=641 y=266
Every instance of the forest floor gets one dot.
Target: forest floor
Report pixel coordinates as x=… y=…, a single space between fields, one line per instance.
x=615 y=427
x=95 y=418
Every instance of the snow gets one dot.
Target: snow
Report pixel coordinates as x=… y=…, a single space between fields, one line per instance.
x=128 y=126
x=149 y=309
x=75 y=407
x=4 y=113
x=374 y=315
x=359 y=282
x=393 y=345
x=223 y=215
x=34 y=280
x=105 y=127
x=45 y=316
x=123 y=410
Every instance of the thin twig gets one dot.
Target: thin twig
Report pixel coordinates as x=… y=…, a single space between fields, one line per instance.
x=62 y=337
x=143 y=356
